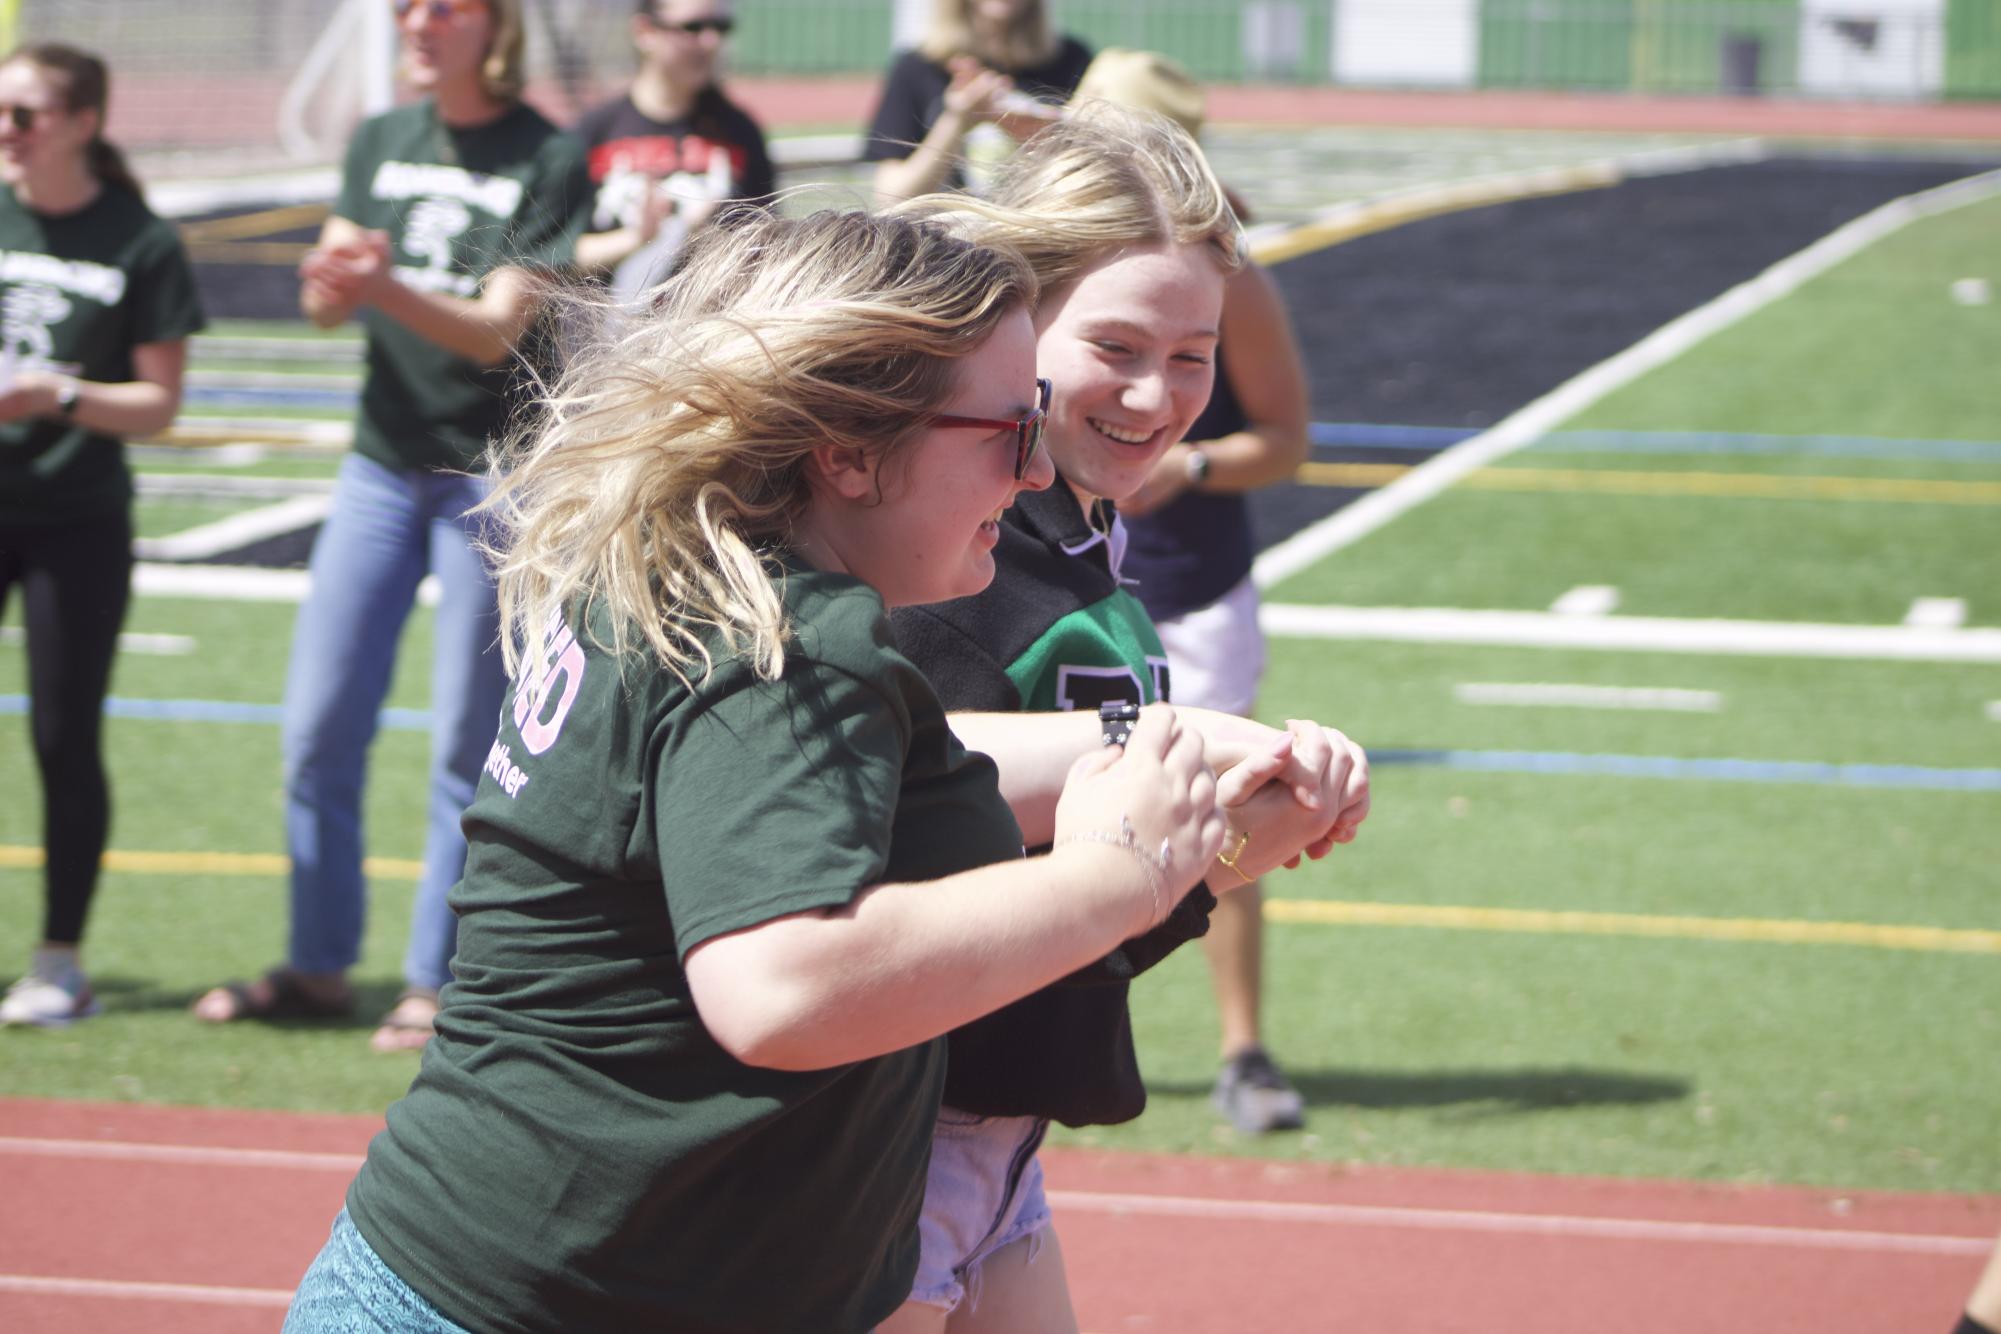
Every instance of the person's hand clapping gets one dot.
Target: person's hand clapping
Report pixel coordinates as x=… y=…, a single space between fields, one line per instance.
x=1147 y=812
x=348 y=275
x=975 y=91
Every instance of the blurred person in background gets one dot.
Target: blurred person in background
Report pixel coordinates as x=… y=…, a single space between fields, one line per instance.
x=452 y=213
x=98 y=302
x=1190 y=562
x=980 y=62
x=671 y=150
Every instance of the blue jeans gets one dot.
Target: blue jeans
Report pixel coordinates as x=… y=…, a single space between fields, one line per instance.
x=350 y=1290
x=387 y=529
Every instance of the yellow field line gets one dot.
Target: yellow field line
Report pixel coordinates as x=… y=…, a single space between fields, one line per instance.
x=1729 y=485
x=208 y=863
x=1314 y=912
x=1381 y=215
x=261 y=223
x=284 y=254
x=1778 y=932
x=1734 y=484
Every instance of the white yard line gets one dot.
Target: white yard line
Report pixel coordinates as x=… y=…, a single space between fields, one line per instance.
x=158 y=646
x=1587 y=600
x=1936 y=614
x=1643 y=634
x=1994 y=711
x=222 y=484
x=1355 y=521
x=1550 y=694
x=238 y=530
x=238 y=583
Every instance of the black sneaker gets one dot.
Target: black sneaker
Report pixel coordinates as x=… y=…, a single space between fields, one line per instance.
x=1253 y=1093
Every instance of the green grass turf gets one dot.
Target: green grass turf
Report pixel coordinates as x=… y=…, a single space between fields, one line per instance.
x=1781 y=560
x=1875 y=346
x=202 y=462
x=1834 y=1067
x=1801 y=710
x=160 y=517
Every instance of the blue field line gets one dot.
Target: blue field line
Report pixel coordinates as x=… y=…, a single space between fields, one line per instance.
x=1369 y=435
x=212 y=396
x=1484 y=761
x=1719 y=771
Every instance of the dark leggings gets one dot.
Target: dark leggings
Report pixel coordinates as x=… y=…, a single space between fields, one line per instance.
x=75 y=580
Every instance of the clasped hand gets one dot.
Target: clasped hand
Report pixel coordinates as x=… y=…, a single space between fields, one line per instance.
x=1304 y=793
x=348 y=274
x=1159 y=785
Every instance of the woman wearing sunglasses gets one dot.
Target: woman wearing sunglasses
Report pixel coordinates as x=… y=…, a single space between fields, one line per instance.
x=980 y=62
x=99 y=302
x=731 y=874
x=452 y=211
x=1131 y=240
x=672 y=150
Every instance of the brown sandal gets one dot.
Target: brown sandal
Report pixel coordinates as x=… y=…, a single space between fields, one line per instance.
x=290 y=999
x=410 y=1023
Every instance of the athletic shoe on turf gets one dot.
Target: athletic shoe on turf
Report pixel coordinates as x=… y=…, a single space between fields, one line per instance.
x=54 y=993
x=1253 y=1093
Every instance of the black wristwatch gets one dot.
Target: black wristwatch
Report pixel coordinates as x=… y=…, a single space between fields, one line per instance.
x=66 y=394
x=1197 y=467
x=1116 y=719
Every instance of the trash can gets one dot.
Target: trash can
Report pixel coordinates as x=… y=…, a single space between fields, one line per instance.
x=1742 y=54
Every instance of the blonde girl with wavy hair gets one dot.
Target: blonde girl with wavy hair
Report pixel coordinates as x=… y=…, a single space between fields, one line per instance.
x=1131 y=240
x=731 y=874
x=453 y=211
x=980 y=62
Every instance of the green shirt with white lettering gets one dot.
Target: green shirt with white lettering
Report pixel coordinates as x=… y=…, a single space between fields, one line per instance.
x=78 y=292
x=578 y=1153
x=457 y=204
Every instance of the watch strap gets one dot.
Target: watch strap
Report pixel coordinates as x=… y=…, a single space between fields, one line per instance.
x=1116 y=720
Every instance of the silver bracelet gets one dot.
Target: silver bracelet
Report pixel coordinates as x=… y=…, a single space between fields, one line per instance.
x=1155 y=867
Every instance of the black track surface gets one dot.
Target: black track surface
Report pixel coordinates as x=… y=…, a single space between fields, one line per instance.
x=1460 y=320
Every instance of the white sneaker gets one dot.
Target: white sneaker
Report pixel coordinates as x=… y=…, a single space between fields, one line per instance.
x=53 y=994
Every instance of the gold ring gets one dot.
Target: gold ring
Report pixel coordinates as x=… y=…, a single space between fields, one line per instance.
x=1229 y=858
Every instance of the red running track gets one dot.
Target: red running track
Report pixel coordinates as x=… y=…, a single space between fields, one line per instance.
x=166 y=1220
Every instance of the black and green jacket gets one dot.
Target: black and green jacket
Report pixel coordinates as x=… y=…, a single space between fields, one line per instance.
x=1055 y=630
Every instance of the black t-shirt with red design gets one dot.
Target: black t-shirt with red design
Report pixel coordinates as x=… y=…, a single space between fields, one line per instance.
x=715 y=151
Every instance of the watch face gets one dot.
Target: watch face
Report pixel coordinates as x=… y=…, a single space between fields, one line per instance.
x=1198 y=466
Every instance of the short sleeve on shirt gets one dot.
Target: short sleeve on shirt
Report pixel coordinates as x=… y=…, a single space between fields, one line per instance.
x=166 y=305
x=558 y=207
x=909 y=104
x=777 y=798
x=356 y=170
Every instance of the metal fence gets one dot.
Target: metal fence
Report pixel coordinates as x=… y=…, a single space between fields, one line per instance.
x=231 y=85
x=1894 y=49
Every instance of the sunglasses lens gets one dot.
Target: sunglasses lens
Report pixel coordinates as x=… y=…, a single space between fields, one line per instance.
x=23 y=117
x=1031 y=440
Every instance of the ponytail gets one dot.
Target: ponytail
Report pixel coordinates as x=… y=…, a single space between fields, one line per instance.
x=107 y=163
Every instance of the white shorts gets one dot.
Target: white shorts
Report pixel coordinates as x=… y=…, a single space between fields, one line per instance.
x=1216 y=654
x=984 y=1193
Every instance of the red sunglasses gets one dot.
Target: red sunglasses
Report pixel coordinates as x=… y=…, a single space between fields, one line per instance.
x=1027 y=430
